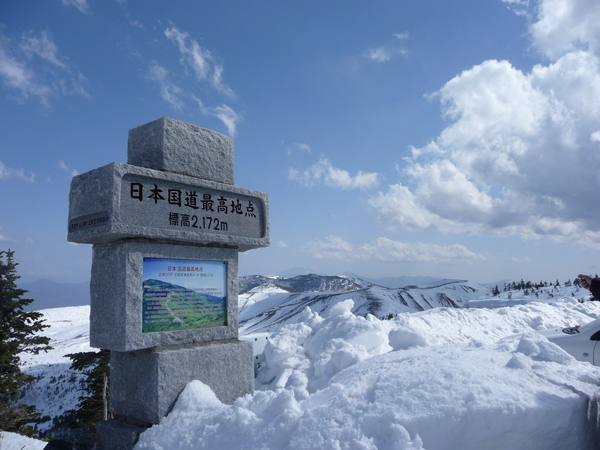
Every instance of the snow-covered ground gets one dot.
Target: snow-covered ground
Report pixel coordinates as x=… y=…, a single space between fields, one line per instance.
x=56 y=388
x=13 y=441
x=446 y=378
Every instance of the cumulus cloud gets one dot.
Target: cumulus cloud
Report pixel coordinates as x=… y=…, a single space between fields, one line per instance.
x=31 y=66
x=387 y=250
x=564 y=26
x=324 y=173
x=521 y=154
x=6 y=173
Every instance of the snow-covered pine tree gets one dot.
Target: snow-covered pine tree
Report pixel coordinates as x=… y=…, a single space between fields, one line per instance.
x=18 y=333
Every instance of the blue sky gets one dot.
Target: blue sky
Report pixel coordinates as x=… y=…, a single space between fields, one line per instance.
x=451 y=139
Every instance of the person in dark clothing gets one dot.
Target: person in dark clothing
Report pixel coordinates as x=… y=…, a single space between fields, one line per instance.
x=592 y=284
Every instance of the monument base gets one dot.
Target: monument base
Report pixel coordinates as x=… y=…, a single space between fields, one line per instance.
x=145 y=384
x=117 y=435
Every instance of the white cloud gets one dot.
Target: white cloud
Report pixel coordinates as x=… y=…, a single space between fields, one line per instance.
x=226 y=115
x=43 y=47
x=169 y=92
x=519 y=260
x=334 y=247
x=564 y=26
x=18 y=76
x=519 y=158
x=282 y=244
x=32 y=67
x=200 y=60
x=5 y=238
x=323 y=172
x=206 y=70
x=63 y=166
x=387 y=250
x=388 y=50
x=6 y=173
x=81 y=5
x=298 y=147
x=378 y=54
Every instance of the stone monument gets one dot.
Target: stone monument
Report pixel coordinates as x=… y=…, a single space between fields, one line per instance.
x=166 y=230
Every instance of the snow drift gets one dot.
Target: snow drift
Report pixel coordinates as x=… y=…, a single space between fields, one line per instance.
x=439 y=379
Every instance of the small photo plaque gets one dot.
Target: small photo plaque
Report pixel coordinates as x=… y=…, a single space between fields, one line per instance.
x=181 y=294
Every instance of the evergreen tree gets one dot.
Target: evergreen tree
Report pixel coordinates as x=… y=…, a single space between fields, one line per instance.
x=93 y=404
x=18 y=333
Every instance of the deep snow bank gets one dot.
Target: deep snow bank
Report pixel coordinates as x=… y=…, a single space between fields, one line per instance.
x=13 y=441
x=440 y=379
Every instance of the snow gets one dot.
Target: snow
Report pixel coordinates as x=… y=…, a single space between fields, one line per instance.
x=445 y=378
x=265 y=308
x=55 y=389
x=13 y=441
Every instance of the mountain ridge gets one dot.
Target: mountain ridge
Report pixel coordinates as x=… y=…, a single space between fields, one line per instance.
x=269 y=305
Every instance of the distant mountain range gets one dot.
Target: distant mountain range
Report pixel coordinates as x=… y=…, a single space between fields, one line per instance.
x=271 y=302
x=50 y=294
x=303 y=283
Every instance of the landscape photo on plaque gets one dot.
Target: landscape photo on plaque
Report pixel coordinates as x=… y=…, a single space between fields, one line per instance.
x=181 y=294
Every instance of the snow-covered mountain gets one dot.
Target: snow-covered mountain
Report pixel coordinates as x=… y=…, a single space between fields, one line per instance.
x=271 y=304
x=303 y=283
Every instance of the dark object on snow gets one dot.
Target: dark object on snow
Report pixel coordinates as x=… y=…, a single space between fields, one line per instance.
x=58 y=444
x=71 y=440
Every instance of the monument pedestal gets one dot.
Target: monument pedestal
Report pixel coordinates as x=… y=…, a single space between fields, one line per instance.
x=116 y=434
x=145 y=384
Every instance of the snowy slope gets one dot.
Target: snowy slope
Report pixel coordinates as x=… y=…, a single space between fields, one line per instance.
x=56 y=388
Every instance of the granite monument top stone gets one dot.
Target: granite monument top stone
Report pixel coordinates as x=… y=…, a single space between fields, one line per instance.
x=179 y=147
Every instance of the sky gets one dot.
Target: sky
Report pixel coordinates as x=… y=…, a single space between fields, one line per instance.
x=394 y=138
